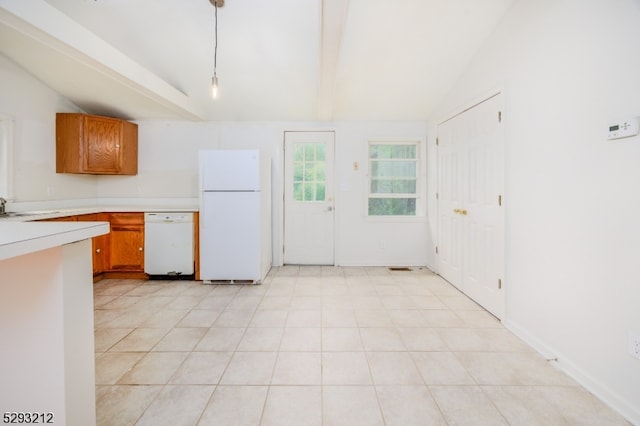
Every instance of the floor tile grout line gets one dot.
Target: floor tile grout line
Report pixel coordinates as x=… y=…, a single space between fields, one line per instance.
x=455 y=350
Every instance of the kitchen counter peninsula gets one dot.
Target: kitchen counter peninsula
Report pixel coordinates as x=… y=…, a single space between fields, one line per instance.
x=46 y=320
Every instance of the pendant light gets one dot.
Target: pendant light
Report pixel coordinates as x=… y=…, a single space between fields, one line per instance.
x=214 y=79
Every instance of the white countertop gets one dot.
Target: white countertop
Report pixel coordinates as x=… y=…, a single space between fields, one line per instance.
x=27 y=216
x=17 y=239
x=22 y=234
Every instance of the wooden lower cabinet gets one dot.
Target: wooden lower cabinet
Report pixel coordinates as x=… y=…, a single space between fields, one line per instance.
x=100 y=243
x=120 y=254
x=126 y=245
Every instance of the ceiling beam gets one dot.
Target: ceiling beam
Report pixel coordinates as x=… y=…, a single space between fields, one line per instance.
x=334 y=17
x=47 y=27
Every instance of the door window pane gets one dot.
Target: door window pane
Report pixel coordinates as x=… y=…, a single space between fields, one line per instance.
x=309 y=178
x=298 y=172
x=309 y=152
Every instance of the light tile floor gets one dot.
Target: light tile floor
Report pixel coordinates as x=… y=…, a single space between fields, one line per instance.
x=320 y=346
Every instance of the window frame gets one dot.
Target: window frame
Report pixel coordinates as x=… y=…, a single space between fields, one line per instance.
x=6 y=157
x=418 y=177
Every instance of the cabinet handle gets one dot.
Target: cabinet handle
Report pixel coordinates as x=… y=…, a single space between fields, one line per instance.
x=456 y=210
x=140 y=248
x=463 y=212
x=97 y=250
x=117 y=145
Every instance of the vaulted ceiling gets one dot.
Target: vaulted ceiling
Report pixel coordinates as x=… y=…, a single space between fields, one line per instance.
x=277 y=60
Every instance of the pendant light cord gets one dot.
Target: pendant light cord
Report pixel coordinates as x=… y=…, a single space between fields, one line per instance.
x=215 y=49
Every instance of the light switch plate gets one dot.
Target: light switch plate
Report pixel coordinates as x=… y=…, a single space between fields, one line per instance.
x=624 y=128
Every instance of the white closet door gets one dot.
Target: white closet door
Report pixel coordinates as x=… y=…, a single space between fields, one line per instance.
x=451 y=166
x=471 y=215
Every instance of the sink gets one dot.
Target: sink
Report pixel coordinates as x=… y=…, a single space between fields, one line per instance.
x=13 y=214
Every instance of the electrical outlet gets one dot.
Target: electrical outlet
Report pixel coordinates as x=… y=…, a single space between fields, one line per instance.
x=634 y=345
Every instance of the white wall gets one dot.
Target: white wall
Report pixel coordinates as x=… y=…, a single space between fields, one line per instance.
x=168 y=172
x=32 y=107
x=168 y=175
x=568 y=67
x=363 y=240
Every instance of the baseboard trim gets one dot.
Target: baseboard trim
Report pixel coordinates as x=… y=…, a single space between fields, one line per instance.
x=564 y=364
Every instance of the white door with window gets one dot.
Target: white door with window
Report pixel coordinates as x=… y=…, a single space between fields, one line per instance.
x=470 y=210
x=308 y=198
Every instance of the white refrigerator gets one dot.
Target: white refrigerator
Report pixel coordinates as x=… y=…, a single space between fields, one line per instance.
x=235 y=216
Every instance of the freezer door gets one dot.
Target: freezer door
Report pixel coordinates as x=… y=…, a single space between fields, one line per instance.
x=230 y=170
x=230 y=236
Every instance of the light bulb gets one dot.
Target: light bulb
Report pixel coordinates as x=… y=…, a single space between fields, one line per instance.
x=214 y=87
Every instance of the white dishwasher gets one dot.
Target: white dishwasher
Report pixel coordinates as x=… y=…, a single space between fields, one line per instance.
x=168 y=244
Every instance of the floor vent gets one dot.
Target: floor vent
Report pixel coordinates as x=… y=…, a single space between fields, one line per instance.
x=400 y=268
x=230 y=282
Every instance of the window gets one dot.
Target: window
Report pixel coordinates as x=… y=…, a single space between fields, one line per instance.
x=6 y=157
x=393 y=178
x=309 y=179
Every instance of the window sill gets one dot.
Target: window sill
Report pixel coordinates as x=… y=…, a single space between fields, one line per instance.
x=396 y=219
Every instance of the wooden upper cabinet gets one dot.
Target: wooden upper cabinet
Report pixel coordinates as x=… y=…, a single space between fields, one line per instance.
x=95 y=145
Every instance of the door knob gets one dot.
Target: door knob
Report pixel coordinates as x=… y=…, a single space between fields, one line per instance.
x=329 y=209
x=456 y=211
x=463 y=212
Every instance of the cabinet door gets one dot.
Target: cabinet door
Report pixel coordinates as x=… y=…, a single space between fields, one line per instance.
x=129 y=149
x=102 y=144
x=100 y=243
x=101 y=248
x=126 y=247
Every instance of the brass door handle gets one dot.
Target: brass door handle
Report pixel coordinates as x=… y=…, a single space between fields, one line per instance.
x=463 y=212
x=456 y=211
